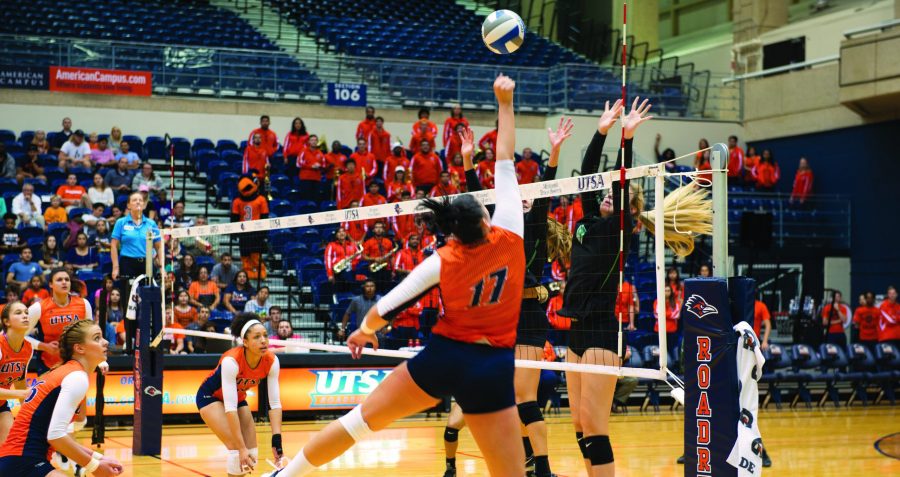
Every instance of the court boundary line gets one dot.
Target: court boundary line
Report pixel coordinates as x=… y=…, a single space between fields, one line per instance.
x=878 y=447
x=160 y=459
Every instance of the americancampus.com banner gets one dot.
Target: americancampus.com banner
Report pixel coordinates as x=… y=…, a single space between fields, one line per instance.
x=302 y=389
x=97 y=81
x=23 y=77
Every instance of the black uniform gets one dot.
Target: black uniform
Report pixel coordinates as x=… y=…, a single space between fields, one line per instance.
x=592 y=287
x=532 y=329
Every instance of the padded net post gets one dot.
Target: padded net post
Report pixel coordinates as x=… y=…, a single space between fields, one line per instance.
x=719 y=164
x=659 y=252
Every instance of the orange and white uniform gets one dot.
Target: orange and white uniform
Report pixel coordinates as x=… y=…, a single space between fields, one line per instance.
x=46 y=413
x=233 y=376
x=13 y=364
x=481 y=285
x=673 y=313
x=889 y=324
x=52 y=319
x=335 y=252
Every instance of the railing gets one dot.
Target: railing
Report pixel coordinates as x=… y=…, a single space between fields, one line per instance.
x=275 y=75
x=823 y=220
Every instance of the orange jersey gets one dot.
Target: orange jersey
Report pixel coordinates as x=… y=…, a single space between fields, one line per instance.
x=250 y=210
x=453 y=146
x=486 y=173
x=294 y=144
x=184 y=317
x=247 y=377
x=13 y=364
x=889 y=322
x=377 y=248
x=488 y=141
x=366 y=163
x=409 y=318
x=441 y=190
x=527 y=170
x=334 y=164
x=450 y=127
x=70 y=195
x=766 y=174
x=403 y=225
x=458 y=175
x=350 y=187
x=54 y=318
x=482 y=289
x=425 y=169
x=395 y=191
x=672 y=314
x=28 y=435
x=269 y=140
x=364 y=128
x=866 y=318
x=356 y=229
x=390 y=167
x=380 y=144
x=624 y=302
x=311 y=164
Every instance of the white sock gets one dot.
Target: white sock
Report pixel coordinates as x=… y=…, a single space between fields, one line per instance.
x=297 y=467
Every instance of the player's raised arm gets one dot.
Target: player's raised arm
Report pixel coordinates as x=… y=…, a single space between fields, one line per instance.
x=508 y=212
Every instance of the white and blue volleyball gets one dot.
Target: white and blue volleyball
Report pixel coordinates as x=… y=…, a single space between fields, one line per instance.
x=503 y=32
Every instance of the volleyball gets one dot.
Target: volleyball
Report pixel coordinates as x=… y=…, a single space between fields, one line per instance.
x=503 y=32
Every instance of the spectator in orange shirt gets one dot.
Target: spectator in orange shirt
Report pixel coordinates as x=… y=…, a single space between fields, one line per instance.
x=256 y=157
x=366 y=125
x=803 y=183
x=458 y=172
x=444 y=187
x=865 y=320
x=762 y=323
x=735 y=160
x=404 y=225
x=627 y=304
x=425 y=168
x=889 y=322
x=751 y=159
x=295 y=141
x=836 y=318
x=338 y=250
x=311 y=164
x=350 y=186
x=766 y=172
x=673 y=314
x=453 y=145
x=527 y=169
x=486 y=169
x=398 y=184
x=424 y=125
x=373 y=197
x=378 y=250
x=72 y=194
x=410 y=256
x=380 y=142
x=269 y=139
x=701 y=161
x=56 y=213
x=365 y=161
x=356 y=229
x=397 y=158
x=422 y=135
x=489 y=140
x=334 y=161
x=450 y=125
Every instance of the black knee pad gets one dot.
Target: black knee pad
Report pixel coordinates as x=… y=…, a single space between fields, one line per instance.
x=598 y=449
x=579 y=437
x=529 y=412
x=451 y=434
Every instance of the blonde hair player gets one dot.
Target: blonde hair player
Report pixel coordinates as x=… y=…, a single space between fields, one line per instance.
x=43 y=421
x=15 y=354
x=221 y=398
x=531 y=333
x=481 y=272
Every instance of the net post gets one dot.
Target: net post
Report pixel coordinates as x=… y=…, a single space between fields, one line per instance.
x=148 y=260
x=148 y=376
x=719 y=163
x=659 y=192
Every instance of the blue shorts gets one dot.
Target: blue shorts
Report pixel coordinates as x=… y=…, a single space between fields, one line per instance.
x=204 y=400
x=5 y=407
x=18 y=466
x=480 y=377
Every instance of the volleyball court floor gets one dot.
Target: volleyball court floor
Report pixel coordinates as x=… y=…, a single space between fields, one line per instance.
x=823 y=443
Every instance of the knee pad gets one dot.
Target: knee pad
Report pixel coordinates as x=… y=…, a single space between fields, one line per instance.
x=579 y=436
x=76 y=426
x=599 y=450
x=451 y=434
x=529 y=412
x=354 y=424
x=233 y=463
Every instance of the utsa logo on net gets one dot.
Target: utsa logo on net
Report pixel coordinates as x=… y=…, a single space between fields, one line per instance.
x=699 y=307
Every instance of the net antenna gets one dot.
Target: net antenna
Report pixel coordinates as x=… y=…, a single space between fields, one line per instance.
x=622 y=186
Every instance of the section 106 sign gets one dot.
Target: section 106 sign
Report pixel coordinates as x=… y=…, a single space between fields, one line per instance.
x=346 y=94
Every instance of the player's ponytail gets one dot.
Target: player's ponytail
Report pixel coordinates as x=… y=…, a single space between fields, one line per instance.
x=559 y=241
x=73 y=334
x=460 y=217
x=686 y=212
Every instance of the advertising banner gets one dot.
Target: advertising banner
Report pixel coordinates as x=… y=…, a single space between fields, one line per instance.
x=23 y=77
x=98 y=81
x=302 y=389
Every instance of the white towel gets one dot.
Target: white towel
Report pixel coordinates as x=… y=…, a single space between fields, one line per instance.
x=746 y=455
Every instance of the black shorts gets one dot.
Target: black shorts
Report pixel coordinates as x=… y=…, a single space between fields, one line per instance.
x=480 y=377
x=533 y=324
x=19 y=466
x=5 y=407
x=595 y=332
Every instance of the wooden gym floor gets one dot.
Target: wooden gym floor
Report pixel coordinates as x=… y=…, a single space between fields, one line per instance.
x=824 y=443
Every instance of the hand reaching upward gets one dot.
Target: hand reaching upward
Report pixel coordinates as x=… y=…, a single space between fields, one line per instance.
x=609 y=116
x=636 y=117
x=563 y=132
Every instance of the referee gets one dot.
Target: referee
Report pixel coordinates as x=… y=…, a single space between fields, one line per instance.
x=129 y=253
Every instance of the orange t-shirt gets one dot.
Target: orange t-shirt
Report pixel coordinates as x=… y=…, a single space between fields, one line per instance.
x=55 y=215
x=247 y=377
x=866 y=317
x=482 y=289
x=672 y=315
x=835 y=323
x=889 y=322
x=30 y=295
x=624 y=301
x=185 y=318
x=250 y=210
x=760 y=314
x=196 y=290
x=70 y=195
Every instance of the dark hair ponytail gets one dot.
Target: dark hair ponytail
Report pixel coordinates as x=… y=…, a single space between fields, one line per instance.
x=461 y=217
x=241 y=319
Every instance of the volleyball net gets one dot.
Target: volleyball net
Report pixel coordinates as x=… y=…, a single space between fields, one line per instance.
x=291 y=255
